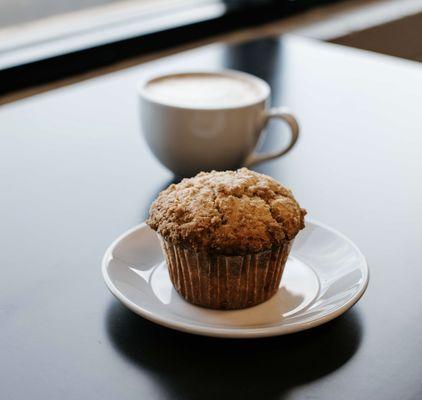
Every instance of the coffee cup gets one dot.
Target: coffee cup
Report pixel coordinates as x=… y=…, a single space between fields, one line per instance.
x=201 y=121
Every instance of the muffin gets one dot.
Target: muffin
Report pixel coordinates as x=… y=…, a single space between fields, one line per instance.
x=226 y=236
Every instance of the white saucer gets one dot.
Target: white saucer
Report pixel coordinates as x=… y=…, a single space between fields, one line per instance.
x=325 y=275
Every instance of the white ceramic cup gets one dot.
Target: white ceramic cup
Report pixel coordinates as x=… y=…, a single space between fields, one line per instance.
x=189 y=139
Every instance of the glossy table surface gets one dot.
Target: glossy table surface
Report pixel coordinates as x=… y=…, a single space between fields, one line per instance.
x=75 y=173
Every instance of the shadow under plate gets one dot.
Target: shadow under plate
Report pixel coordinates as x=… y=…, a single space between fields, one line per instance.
x=188 y=366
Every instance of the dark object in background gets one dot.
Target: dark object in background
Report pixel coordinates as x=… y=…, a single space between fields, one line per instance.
x=43 y=66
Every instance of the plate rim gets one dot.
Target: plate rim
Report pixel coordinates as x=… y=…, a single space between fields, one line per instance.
x=234 y=333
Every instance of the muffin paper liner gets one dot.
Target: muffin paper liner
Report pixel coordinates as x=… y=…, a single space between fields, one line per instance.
x=225 y=282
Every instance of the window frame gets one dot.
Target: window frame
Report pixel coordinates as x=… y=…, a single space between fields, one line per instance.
x=42 y=63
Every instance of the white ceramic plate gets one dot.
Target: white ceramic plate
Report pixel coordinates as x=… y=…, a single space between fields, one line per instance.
x=325 y=275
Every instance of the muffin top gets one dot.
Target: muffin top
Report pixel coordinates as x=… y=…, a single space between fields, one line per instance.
x=228 y=212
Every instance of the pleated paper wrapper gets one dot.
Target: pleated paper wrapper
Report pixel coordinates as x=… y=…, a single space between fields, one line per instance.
x=225 y=282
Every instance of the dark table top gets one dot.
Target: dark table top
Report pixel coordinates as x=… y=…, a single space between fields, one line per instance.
x=74 y=174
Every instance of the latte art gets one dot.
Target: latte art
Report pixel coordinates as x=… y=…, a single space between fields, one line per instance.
x=202 y=90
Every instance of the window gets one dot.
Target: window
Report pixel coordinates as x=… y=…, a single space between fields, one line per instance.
x=43 y=40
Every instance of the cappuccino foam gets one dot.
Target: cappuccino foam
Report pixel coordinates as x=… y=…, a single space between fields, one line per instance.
x=203 y=90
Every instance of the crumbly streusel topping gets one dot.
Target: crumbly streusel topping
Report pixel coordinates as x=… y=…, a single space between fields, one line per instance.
x=228 y=212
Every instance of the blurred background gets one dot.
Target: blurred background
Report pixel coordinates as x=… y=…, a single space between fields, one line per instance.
x=23 y=11
x=44 y=41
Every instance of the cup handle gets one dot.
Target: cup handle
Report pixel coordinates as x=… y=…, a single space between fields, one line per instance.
x=283 y=114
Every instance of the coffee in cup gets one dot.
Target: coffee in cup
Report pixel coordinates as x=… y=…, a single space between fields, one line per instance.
x=199 y=121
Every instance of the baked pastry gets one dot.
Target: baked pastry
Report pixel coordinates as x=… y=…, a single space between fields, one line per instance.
x=226 y=236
